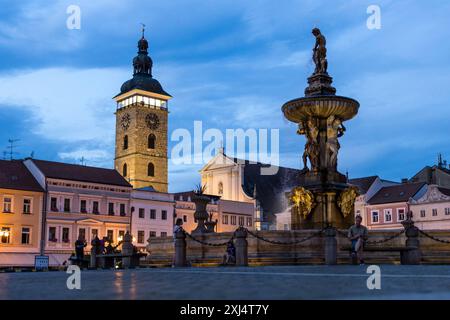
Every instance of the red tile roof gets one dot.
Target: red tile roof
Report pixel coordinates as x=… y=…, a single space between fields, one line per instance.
x=14 y=175
x=397 y=193
x=65 y=171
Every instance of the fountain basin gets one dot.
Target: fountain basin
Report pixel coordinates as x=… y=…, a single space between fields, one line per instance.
x=301 y=109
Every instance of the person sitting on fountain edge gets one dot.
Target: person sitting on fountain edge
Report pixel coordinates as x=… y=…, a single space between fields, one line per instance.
x=358 y=235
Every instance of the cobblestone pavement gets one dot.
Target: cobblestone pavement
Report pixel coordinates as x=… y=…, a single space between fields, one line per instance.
x=290 y=282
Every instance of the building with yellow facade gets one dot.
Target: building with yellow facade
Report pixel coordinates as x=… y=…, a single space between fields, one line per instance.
x=21 y=203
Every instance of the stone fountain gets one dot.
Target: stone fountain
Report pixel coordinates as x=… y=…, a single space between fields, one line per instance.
x=323 y=196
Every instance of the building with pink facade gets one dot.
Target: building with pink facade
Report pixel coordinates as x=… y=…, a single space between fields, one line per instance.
x=152 y=215
x=387 y=208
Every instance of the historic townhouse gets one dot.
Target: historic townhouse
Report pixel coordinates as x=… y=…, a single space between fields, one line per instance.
x=390 y=205
x=81 y=202
x=367 y=187
x=21 y=201
x=432 y=210
x=152 y=215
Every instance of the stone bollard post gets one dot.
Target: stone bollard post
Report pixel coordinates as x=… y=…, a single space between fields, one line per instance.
x=241 y=246
x=127 y=250
x=180 y=249
x=412 y=255
x=330 y=246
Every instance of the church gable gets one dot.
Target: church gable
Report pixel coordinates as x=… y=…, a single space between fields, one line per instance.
x=220 y=161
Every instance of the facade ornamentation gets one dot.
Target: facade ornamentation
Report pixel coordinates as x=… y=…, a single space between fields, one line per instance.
x=346 y=200
x=303 y=201
x=432 y=195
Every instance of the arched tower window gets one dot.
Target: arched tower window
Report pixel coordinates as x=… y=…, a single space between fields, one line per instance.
x=151 y=170
x=151 y=141
x=125 y=142
x=220 y=188
x=124 y=170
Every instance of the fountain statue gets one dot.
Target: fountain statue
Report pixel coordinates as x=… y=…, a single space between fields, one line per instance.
x=323 y=196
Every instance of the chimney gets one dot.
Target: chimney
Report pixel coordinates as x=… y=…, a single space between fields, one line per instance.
x=404 y=180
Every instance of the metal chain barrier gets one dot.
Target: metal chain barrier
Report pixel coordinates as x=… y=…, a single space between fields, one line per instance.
x=207 y=243
x=433 y=237
x=387 y=239
x=344 y=234
x=285 y=243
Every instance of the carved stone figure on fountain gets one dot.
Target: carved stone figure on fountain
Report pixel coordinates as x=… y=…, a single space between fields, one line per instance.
x=312 y=149
x=320 y=52
x=335 y=130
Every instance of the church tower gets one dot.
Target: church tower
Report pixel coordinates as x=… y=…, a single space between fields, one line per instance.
x=141 y=126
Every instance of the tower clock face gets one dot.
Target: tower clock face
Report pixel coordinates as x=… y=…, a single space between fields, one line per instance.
x=152 y=121
x=125 y=121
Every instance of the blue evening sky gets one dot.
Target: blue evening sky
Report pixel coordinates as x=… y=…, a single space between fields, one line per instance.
x=230 y=64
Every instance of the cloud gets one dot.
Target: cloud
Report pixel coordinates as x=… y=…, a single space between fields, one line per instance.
x=67 y=105
x=92 y=157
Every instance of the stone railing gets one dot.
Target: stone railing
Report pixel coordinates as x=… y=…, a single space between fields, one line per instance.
x=280 y=248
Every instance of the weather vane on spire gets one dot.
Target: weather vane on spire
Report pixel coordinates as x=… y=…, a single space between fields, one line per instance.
x=143 y=29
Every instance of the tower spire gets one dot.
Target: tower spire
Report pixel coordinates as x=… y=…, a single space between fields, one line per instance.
x=142 y=63
x=143 y=30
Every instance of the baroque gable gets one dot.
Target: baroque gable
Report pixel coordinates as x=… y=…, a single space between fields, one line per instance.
x=432 y=195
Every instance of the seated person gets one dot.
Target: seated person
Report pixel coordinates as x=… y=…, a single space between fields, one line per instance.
x=358 y=235
x=230 y=255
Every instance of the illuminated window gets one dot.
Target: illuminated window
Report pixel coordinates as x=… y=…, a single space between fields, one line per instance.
x=5 y=235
